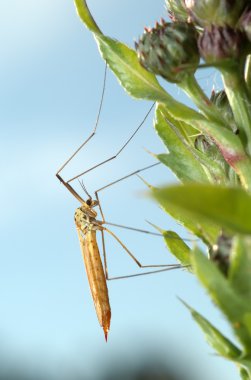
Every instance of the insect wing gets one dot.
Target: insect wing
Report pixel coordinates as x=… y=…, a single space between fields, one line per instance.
x=96 y=277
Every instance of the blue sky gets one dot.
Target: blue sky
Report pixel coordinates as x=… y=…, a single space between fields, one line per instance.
x=51 y=79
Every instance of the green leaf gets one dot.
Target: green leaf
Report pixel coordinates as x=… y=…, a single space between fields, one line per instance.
x=86 y=17
x=178 y=164
x=244 y=374
x=186 y=131
x=227 y=207
x=223 y=294
x=247 y=320
x=240 y=268
x=181 y=159
x=245 y=365
x=222 y=344
x=188 y=163
x=139 y=83
x=205 y=230
x=214 y=337
x=177 y=247
x=123 y=61
x=136 y=80
x=230 y=147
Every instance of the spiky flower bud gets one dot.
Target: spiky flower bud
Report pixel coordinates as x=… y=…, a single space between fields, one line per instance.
x=221 y=101
x=169 y=50
x=177 y=10
x=221 y=252
x=218 y=45
x=202 y=143
x=245 y=23
x=217 y=12
x=206 y=145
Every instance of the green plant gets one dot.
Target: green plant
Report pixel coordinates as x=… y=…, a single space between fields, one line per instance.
x=209 y=148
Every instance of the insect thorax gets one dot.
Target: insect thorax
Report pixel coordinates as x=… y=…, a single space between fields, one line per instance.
x=85 y=220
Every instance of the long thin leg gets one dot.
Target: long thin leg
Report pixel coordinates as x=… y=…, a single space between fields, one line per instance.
x=134 y=258
x=147 y=232
x=67 y=183
x=128 y=175
x=115 y=155
x=94 y=129
x=165 y=267
x=118 y=180
x=127 y=227
x=145 y=273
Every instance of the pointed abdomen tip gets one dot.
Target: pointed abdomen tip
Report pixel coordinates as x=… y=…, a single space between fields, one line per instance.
x=106 y=334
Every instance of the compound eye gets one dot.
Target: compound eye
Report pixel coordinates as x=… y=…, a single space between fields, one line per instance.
x=89 y=202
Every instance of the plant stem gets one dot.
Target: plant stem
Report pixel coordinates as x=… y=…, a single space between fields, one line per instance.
x=195 y=92
x=86 y=17
x=239 y=100
x=248 y=73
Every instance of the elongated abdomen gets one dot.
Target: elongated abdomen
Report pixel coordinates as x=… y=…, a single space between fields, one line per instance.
x=96 y=278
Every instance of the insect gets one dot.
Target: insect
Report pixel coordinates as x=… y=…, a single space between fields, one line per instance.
x=87 y=225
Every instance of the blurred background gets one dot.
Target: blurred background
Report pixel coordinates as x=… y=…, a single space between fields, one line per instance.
x=51 y=80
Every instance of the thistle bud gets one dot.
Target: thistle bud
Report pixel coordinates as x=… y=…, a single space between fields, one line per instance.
x=217 y=12
x=218 y=45
x=177 y=10
x=206 y=145
x=169 y=50
x=221 y=253
x=221 y=101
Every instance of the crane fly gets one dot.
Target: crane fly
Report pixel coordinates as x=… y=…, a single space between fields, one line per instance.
x=87 y=225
